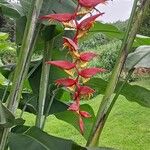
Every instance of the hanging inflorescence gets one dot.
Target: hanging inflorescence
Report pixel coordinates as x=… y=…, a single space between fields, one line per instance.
x=77 y=69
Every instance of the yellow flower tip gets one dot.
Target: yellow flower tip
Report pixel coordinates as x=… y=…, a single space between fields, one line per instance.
x=83 y=64
x=84 y=80
x=70 y=72
x=69 y=24
x=71 y=88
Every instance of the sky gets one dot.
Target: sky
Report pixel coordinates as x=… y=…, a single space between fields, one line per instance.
x=116 y=10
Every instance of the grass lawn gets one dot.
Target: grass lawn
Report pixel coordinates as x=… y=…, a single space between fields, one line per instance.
x=127 y=128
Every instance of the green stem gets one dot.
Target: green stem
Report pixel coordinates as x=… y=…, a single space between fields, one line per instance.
x=44 y=83
x=107 y=102
x=23 y=63
x=49 y=106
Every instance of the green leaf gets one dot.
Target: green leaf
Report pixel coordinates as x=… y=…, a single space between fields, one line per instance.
x=6 y=117
x=11 y=9
x=72 y=119
x=139 y=58
x=133 y=93
x=51 y=31
x=20 y=28
x=100 y=148
x=113 y=32
x=107 y=29
x=50 y=6
x=4 y=36
x=24 y=138
x=30 y=101
x=141 y=40
x=36 y=139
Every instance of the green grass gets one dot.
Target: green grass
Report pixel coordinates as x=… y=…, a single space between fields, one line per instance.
x=127 y=128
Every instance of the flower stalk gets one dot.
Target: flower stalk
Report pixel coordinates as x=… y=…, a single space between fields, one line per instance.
x=107 y=101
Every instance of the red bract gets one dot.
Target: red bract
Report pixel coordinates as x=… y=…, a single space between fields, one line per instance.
x=85 y=114
x=85 y=91
x=74 y=107
x=89 y=72
x=87 y=56
x=62 y=64
x=70 y=44
x=66 y=17
x=90 y=3
x=81 y=124
x=85 y=25
x=66 y=82
x=88 y=22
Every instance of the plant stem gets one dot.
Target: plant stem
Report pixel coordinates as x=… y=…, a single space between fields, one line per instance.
x=107 y=102
x=23 y=63
x=44 y=83
x=49 y=106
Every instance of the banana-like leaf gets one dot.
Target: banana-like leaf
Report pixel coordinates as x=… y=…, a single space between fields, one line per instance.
x=30 y=103
x=11 y=9
x=6 y=117
x=113 y=32
x=35 y=139
x=139 y=58
x=107 y=29
x=50 y=6
x=133 y=93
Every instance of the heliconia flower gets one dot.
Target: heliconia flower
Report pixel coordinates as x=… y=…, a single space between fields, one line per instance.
x=66 y=18
x=89 y=72
x=70 y=44
x=81 y=124
x=74 y=107
x=85 y=91
x=87 y=56
x=86 y=24
x=67 y=82
x=62 y=64
x=85 y=114
x=90 y=3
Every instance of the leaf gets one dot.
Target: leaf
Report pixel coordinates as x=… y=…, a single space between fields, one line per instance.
x=36 y=139
x=72 y=119
x=6 y=117
x=30 y=101
x=51 y=31
x=4 y=36
x=24 y=138
x=100 y=148
x=20 y=28
x=139 y=58
x=50 y=6
x=107 y=29
x=11 y=9
x=132 y=93
x=141 y=40
x=113 y=32
x=135 y=93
